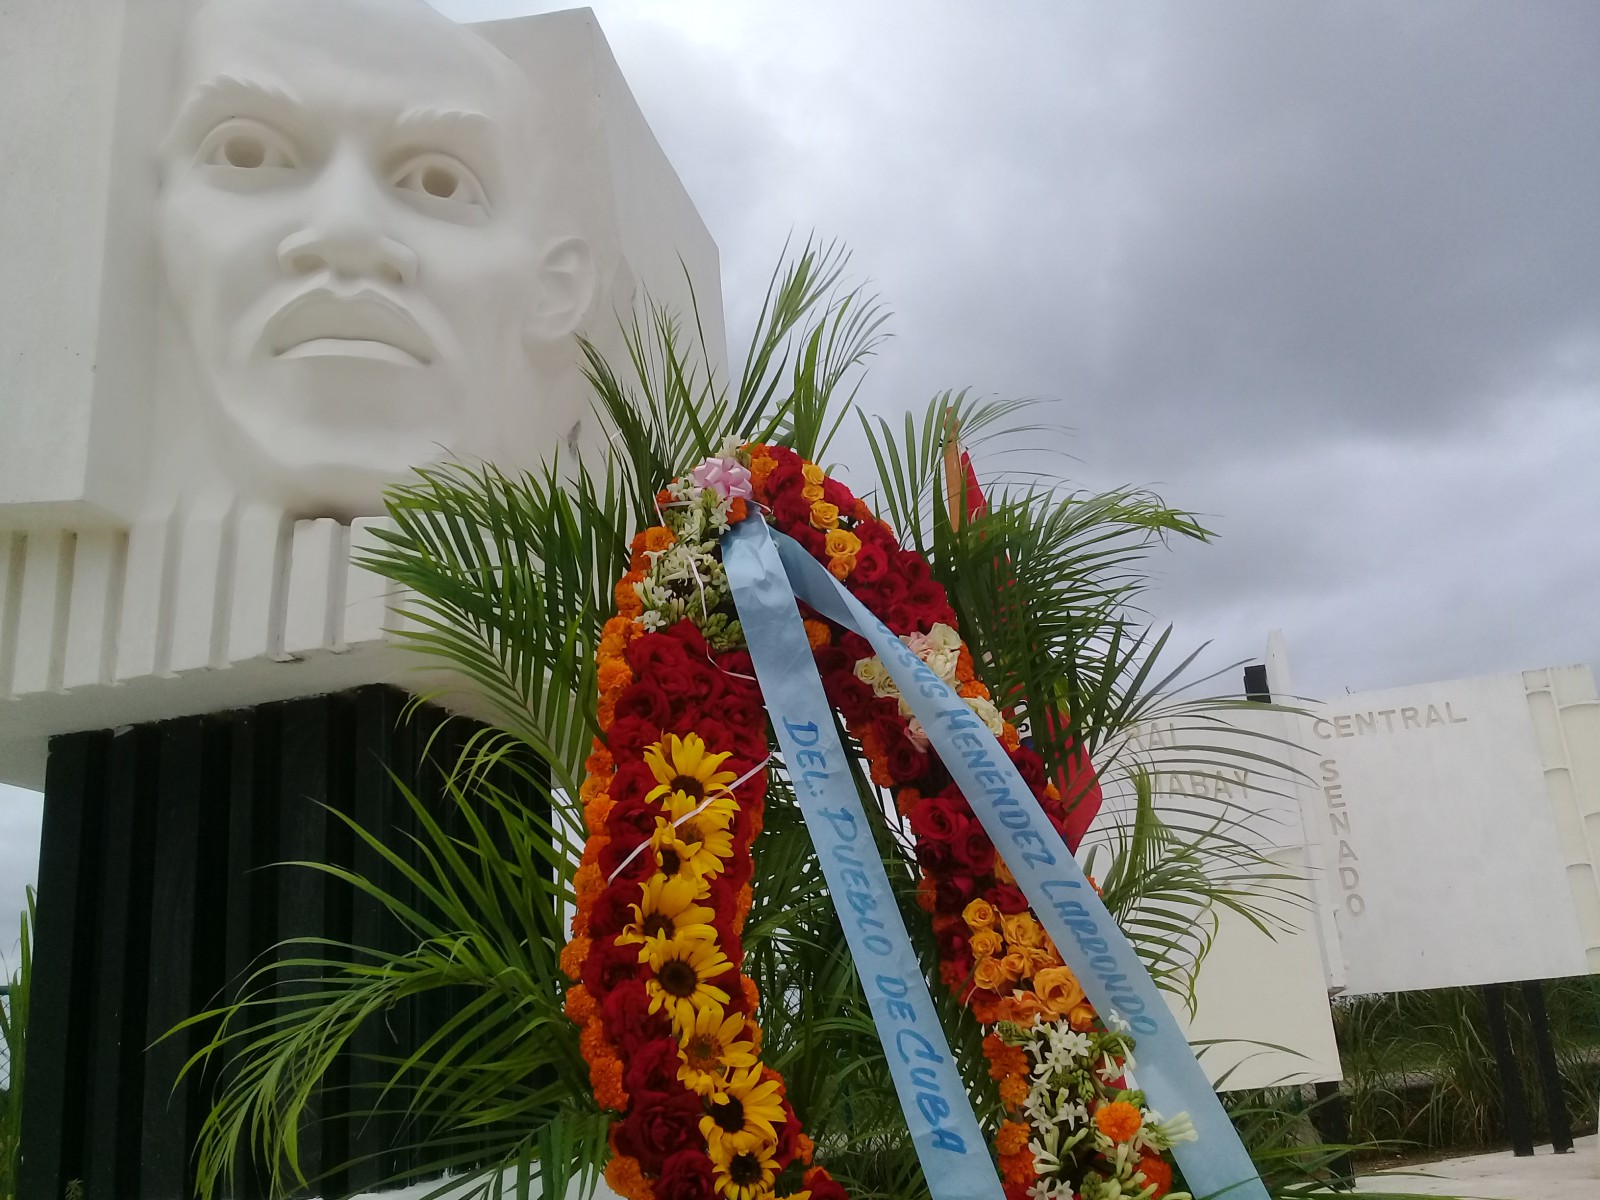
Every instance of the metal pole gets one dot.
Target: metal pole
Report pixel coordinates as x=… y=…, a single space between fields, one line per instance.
x=1333 y=1123
x=1513 y=1101
x=1544 y=1050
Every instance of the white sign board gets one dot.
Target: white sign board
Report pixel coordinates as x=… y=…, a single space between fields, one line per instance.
x=1261 y=998
x=1453 y=830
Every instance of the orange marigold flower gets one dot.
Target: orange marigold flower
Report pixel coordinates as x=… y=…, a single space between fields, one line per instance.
x=880 y=772
x=818 y=633
x=605 y=1076
x=905 y=800
x=1009 y=737
x=592 y=1042
x=953 y=974
x=580 y=1005
x=580 y=923
x=861 y=511
x=658 y=537
x=627 y=1180
x=572 y=956
x=824 y=515
x=614 y=675
x=761 y=466
x=1013 y=1091
x=742 y=906
x=964 y=673
x=1018 y=1167
x=927 y=894
x=752 y=994
x=599 y=761
x=597 y=810
x=841 y=567
x=592 y=786
x=1118 y=1120
x=737 y=511
x=973 y=690
x=607 y=711
x=663 y=497
x=805 y=1149
x=1157 y=1173
x=984 y=1007
x=587 y=879
x=1012 y=1136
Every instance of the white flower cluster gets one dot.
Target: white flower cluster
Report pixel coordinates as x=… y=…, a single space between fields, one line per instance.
x=1069 y=1080
x=687 y=578
x=940 y=649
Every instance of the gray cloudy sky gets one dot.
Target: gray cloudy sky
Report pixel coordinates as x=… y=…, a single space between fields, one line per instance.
x=1328 y=273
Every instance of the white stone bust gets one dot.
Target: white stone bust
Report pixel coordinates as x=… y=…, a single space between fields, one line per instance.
x=360 y=241
x=258 y=260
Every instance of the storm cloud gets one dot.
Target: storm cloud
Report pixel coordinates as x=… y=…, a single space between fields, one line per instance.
x=1328 y=274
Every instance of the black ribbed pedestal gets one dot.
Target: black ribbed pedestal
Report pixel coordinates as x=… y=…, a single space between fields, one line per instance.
x=157 y=896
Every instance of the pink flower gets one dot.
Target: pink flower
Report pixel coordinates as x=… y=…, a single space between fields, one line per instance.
x=728 y=477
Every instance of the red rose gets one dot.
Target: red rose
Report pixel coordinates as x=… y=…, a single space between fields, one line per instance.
x=791 y=512
x=953 y=892
x=1030 y=766
x=936 y=857
x=936 y=817
x=608 y=965
x=852 y=697
x=907 y=764
x=872 y=564
x=652 y=1068
x=652 y=1131
x=629 y=823
x=688 y=633
x=836 y=494
x=632 y=734
x=628 y=1019
x=655 y=655
x=736 y=662
x=973 y=849
x=953 y=939
x=812 y=538
x=618 y=863
x=886 y=594
x=612 y=910
x=1007 y=897
x=632 y=782
x=832 y=660
x=647 y=699
x=856 y=646
x=913 y=568
x=686 y=1175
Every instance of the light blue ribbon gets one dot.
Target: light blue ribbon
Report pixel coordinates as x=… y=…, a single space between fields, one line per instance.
x=949 y=1143
x=1090 y=941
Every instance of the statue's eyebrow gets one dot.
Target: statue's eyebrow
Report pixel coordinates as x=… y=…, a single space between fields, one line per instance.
x=222 y=97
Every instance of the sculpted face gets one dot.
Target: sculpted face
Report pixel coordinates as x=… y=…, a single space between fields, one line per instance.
x=350 y=230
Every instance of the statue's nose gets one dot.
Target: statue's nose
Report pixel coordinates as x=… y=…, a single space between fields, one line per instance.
x=345 y=232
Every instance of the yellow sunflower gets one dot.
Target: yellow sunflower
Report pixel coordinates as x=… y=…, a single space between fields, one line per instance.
x=714 y=1045
x=679 y=970
x=667 y=908
x=743 y=1114
x=684 y=765
x=745 y=1174
x=694 y=860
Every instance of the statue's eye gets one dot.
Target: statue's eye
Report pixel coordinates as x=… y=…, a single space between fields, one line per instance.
x=241 y=144
x=442 y=185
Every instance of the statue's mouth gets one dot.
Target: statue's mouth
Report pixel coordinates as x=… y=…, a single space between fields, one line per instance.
x=367 y=325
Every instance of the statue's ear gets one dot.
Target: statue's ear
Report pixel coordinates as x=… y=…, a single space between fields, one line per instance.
x=564 y=290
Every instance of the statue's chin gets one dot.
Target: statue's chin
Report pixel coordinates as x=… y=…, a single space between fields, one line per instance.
x=333 y=468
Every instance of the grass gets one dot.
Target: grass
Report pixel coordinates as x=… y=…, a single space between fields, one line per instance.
x=1420 y=1071
x=13 y=1028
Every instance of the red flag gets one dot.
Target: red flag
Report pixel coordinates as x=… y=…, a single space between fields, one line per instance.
x=1081 y=796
